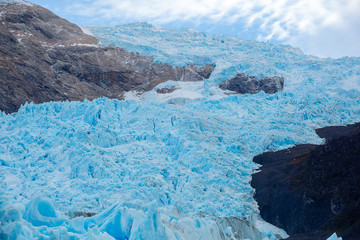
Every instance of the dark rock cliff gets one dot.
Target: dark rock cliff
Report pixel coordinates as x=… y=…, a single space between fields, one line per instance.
x=312 y=191
x=242 y=83
x=46 y=58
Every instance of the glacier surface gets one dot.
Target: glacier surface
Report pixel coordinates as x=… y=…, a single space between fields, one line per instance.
x=174 y=166
x=232 y=55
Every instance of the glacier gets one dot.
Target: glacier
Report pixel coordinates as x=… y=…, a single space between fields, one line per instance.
x=232 y=55
x=167 y=166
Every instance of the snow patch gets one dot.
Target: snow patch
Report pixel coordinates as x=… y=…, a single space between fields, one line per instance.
x=86 y=31
x=186 y=90
x=351 y=82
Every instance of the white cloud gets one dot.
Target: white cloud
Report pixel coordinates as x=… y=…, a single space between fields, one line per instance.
x=286 y=21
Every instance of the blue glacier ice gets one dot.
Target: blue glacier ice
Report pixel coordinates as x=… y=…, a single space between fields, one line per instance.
x=334 y=237
x=173 y=166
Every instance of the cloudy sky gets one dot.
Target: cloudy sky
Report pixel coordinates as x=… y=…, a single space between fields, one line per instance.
x=325 y=28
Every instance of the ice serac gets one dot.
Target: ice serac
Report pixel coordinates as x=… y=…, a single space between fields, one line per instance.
x=46 y=58
x=242 y=83
x=334 y=237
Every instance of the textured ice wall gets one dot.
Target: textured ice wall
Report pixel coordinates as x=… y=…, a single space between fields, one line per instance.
x=176 y=168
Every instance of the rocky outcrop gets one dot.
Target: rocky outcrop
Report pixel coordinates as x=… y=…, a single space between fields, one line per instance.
x=312 y=191
x=242 y=83
x=33 y=23
x=166 y=90
x=46 y=58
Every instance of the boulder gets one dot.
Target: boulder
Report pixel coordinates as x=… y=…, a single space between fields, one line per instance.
x=242 y=83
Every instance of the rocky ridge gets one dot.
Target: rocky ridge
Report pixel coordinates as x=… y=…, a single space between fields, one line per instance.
x=46 y=58
x=312 y=191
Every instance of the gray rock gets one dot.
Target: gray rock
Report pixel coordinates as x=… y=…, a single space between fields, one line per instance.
x=242 y=83
x=165 y=90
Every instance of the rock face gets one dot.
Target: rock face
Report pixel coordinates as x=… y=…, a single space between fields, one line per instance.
x=312 y=191
x=46 y=58
x=165 y=90
x=242 y=83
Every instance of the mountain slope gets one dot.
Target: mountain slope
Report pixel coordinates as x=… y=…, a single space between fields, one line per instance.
x=46 y=58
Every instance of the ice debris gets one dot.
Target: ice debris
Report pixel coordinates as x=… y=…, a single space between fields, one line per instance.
x=38 y=219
